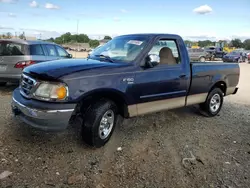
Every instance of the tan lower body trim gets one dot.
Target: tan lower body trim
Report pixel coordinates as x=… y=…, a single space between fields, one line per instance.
x=155 y=106
x=230 y=90
x=132 y=110
x=166 y=104
x=196 y=99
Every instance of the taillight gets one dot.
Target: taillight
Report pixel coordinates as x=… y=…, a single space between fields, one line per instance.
x=23 y=64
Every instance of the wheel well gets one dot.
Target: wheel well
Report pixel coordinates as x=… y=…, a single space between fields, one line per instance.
x=87 y=101
x=222 y=85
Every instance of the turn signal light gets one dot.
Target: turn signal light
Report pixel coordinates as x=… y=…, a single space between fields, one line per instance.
x=61 y=92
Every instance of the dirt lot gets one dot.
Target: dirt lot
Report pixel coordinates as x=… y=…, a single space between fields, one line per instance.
x=78 y=54
x=154 y=148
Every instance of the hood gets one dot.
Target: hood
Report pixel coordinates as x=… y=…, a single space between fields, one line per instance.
x=52 y=70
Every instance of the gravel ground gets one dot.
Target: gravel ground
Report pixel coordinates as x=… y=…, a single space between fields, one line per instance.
x=177 y=148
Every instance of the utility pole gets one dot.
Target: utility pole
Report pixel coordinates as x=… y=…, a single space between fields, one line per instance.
x=77 y=24
x=77 y=32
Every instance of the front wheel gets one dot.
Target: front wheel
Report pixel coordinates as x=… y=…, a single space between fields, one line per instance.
x=212 y=106
x=99 y=123
x=202 y=59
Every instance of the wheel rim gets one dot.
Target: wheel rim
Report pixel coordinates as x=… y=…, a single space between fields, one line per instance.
x=106 y=124
x=215 y=103
x=202 y=59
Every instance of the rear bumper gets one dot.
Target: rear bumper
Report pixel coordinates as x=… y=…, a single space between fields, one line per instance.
x=42 y=115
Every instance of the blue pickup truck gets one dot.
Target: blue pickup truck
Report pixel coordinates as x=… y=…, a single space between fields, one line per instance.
x=131 y=75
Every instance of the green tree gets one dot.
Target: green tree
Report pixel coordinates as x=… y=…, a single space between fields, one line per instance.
x=247 y=44
x=94 y=43
x=73 y=38
x=59 y=40
x=22 y=36
x=50 y=39
x=83 y=38
x=65 y=38
x=8 y=35
x=107 y=38
x=236 y=43
x=3 y=36
x=205 y=43
x=188 y=43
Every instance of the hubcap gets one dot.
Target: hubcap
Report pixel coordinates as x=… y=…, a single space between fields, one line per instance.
x=106 y=124
x=202 y=59
x=215 y=103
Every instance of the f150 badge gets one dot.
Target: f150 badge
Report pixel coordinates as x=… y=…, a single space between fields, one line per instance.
x=128 y=80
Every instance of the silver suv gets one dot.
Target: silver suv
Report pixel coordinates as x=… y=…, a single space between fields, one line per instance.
x=197 y=54
x=17 y=54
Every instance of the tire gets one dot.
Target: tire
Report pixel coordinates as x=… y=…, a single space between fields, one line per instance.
x=95 y=117
x=202 y=59
x=209 y=109
x=3 y=83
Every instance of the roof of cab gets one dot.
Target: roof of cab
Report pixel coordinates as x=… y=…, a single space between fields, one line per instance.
x=154 y=35
x=27 y=42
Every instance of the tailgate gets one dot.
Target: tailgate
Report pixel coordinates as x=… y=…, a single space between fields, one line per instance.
x=7 y=64
x=12 y=52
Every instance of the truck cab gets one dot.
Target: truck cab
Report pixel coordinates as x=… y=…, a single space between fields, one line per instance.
x=129 y=76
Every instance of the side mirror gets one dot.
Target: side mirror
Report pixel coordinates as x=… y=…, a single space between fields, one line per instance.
x=152 y=60
x=69 y=56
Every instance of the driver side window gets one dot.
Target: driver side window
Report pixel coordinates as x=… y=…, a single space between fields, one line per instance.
x=165 y=51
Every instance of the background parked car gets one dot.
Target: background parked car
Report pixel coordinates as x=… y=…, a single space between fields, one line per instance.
x=17 y=54
x=215 y=52
x=235 y=56
x=197 y=54
x=247 y=53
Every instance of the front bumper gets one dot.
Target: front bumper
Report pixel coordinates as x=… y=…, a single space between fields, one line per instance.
x=229 y=60
x=42 y=115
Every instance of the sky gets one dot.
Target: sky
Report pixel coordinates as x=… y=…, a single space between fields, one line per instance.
x=193 y=20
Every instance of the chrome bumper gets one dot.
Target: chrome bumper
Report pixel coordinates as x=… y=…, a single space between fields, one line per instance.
x=45 y=119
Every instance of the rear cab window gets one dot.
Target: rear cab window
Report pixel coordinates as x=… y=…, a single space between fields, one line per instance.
x=9 y=48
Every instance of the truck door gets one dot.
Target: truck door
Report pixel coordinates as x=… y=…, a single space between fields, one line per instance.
x=164 y=86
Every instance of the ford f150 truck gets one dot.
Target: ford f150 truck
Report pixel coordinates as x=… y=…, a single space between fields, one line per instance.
x=131 y=75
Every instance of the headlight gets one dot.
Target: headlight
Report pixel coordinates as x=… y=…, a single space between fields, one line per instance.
x=49 y=91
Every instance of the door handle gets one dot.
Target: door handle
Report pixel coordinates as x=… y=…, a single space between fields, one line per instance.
x=182 y=76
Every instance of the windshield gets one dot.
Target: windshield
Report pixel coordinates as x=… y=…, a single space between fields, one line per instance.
x=11 y=48
x=123 y=48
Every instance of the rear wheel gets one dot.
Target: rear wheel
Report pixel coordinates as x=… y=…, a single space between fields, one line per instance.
x=100 y=121
x=202 y=59
x=212 y=106
x=3 y=83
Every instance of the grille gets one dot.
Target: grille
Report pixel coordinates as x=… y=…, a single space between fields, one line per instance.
x=27 y=85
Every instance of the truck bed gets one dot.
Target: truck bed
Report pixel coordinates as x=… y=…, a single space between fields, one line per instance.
x=204 y=75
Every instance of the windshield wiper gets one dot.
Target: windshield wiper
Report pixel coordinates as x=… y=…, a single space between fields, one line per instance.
x=105 y=57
